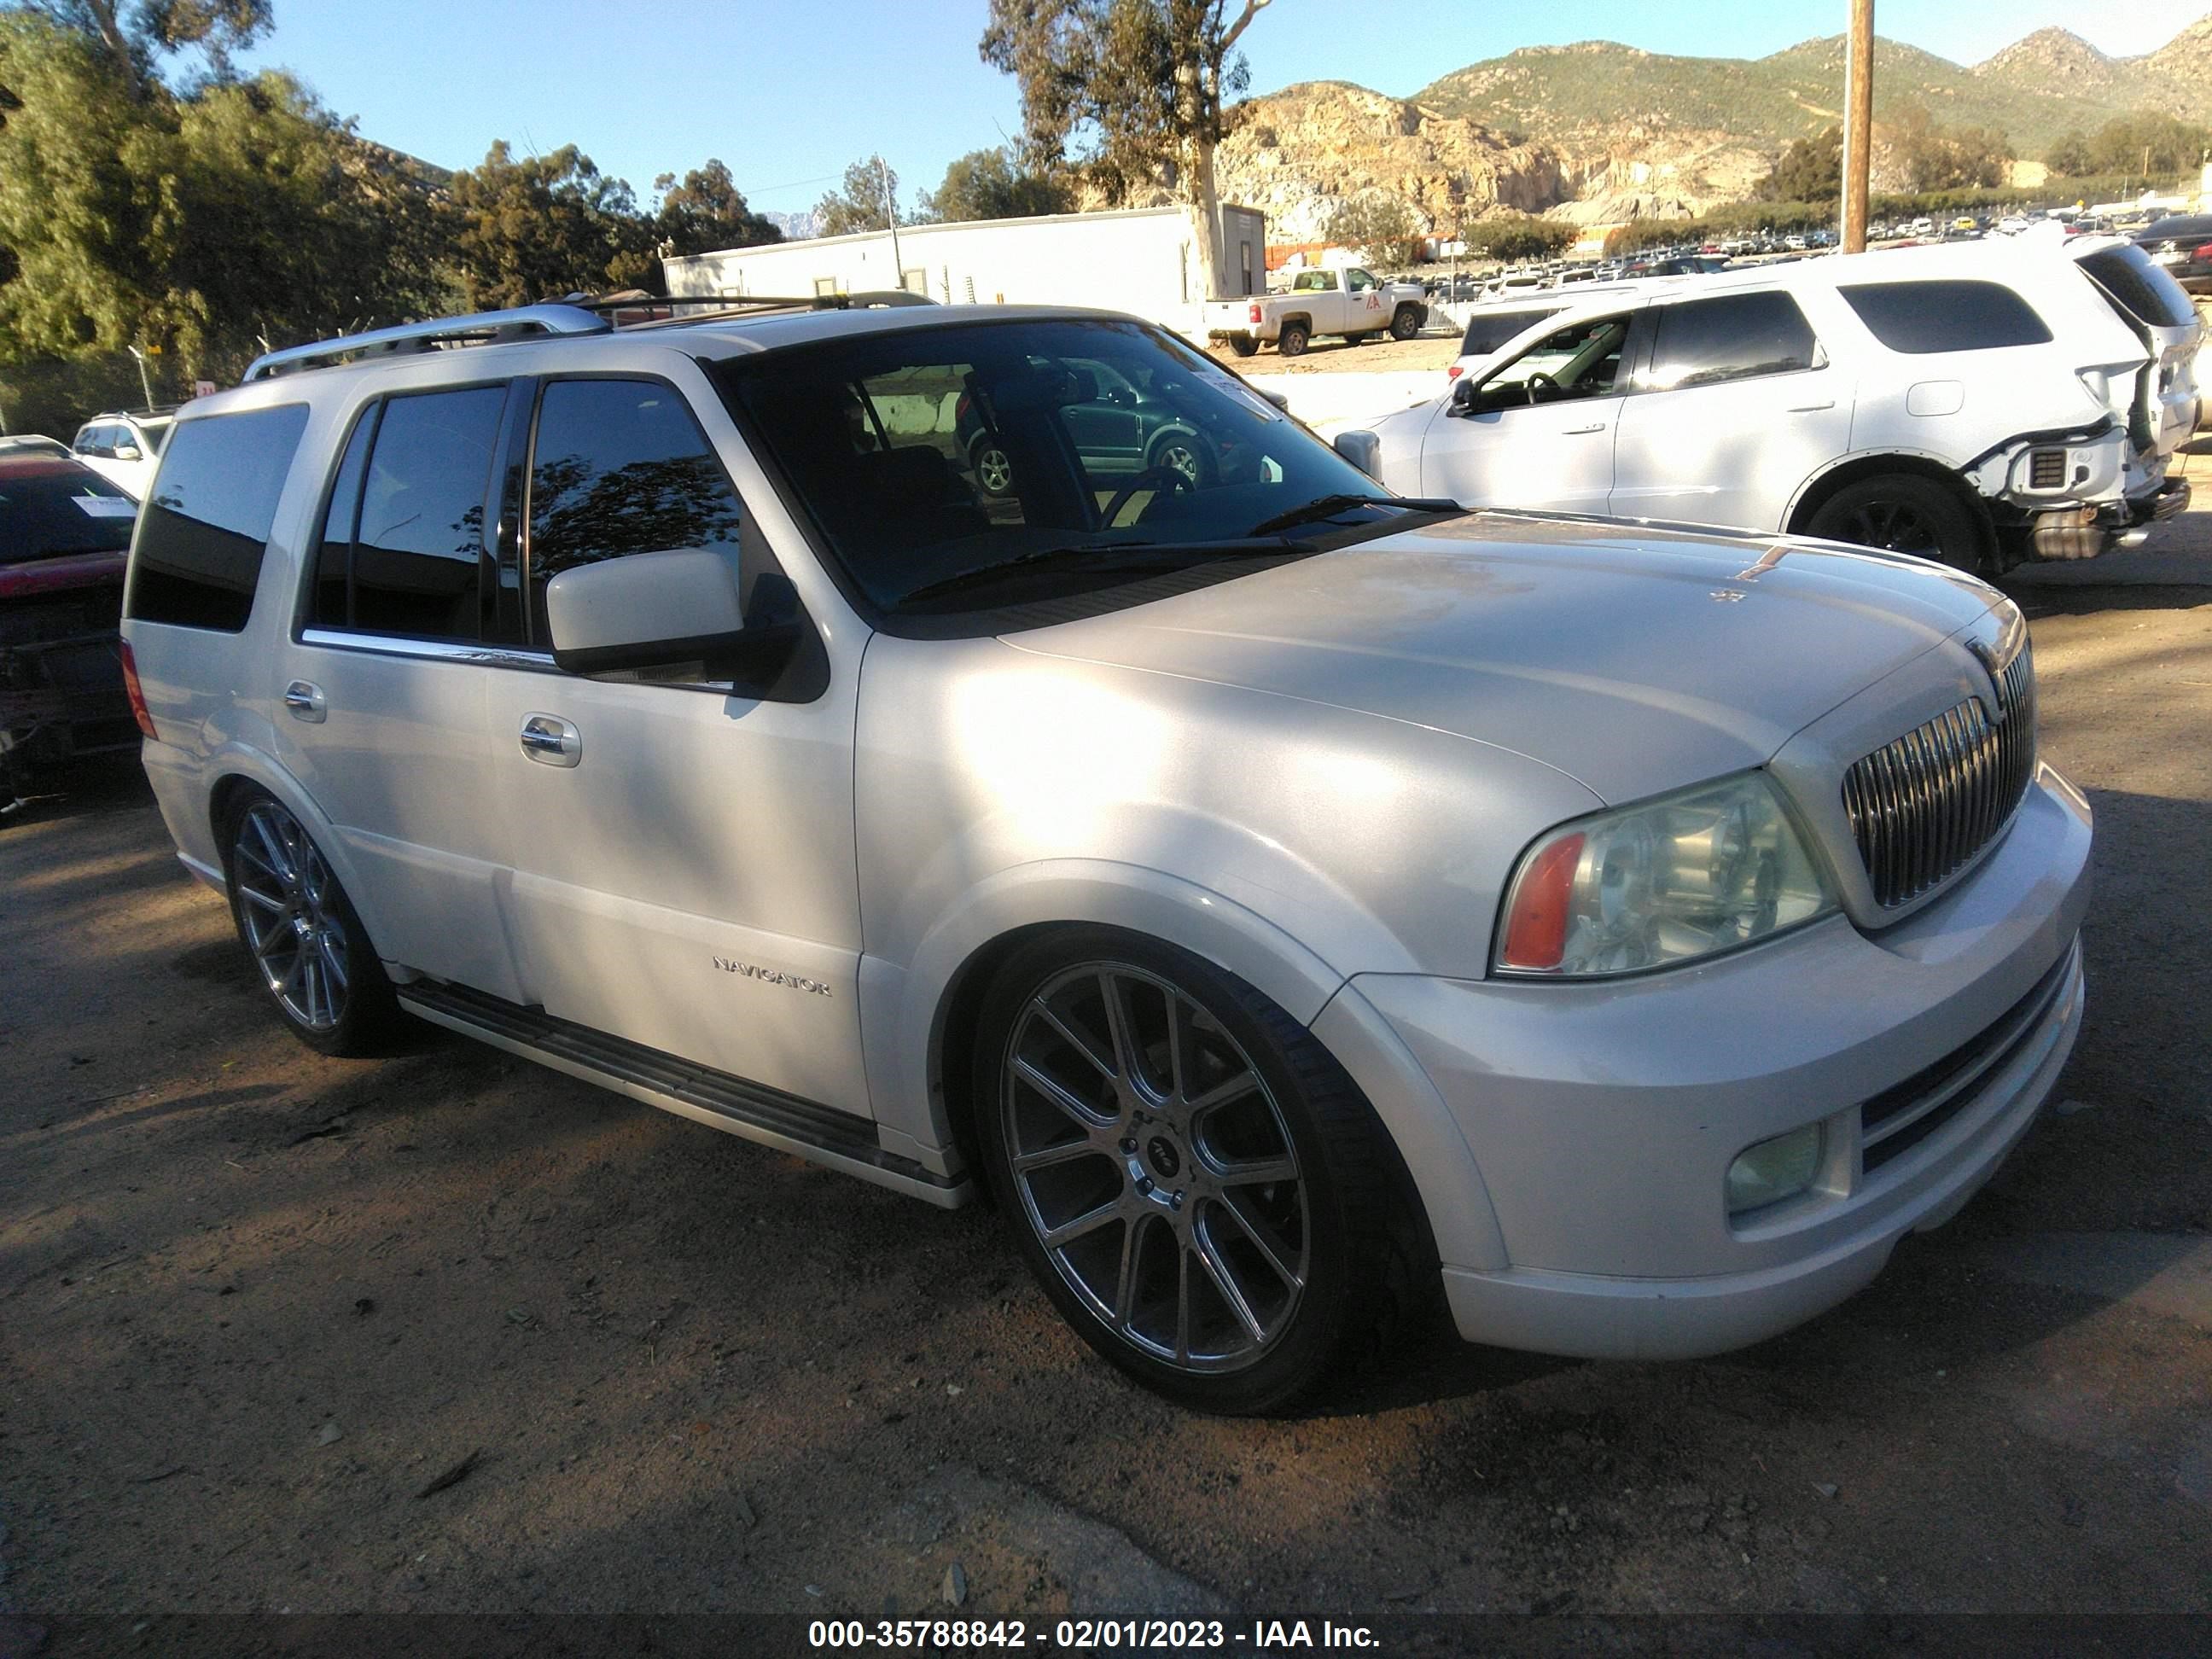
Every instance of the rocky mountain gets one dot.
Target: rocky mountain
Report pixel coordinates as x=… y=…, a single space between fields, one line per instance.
x=795 y=227
x=1598 y=132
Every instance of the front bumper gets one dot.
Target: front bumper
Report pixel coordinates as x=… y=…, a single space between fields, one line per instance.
x=1603 y=1117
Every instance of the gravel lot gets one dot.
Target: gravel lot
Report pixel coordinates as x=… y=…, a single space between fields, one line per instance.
x=254 y=1304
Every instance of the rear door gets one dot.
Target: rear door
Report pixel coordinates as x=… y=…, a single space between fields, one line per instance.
x=1735 y=406
x=383 y=715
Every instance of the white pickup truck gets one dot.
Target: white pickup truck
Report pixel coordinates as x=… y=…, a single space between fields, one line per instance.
x=1352 y=303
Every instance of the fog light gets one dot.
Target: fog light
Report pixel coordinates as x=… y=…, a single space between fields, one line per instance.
x=1774 y=1169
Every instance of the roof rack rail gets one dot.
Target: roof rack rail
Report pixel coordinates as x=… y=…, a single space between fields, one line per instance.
x=713 y=305
x=484 y=327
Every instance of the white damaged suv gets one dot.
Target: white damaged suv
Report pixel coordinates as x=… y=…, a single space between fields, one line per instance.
x=1288 y=901
x=1984 y=405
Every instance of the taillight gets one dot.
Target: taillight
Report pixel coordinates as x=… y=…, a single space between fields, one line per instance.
x=1536 y=913
x=1452 y=373
x=2203 y=255
x=139 y=712
x=1254 y=313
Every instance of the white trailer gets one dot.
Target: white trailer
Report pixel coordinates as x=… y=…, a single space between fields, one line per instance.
x=1144 y=261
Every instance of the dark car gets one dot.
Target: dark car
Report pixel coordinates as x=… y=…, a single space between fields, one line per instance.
x=64 y=532
x=1117 y=427
x=2182 y=245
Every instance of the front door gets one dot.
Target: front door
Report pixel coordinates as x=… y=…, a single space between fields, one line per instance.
x=1536 y=432
x=683 y=856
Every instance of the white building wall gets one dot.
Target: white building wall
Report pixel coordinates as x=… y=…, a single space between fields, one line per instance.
x=1141 y=260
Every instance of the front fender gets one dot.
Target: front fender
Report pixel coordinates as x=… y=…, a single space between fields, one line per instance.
x=905 y=1019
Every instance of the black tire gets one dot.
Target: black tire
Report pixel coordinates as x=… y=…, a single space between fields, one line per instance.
x=1180 y=451
x=341 y=1003
x=1243 y=345
x=1903 y=513
x=1291 y=341
x=1359 y=339
x=1338 y=1204
x=1404 y=323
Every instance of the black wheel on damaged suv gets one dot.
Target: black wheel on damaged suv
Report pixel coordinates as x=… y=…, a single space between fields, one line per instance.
x=312 y=954
x=1904 y=514
x=1195 y=1182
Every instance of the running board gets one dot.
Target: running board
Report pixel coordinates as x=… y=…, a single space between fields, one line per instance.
x=820 y=1134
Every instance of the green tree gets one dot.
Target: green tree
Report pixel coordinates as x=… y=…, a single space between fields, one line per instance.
x=2069 y=157
x=865 y=201
x=707 y=212
x=1810 y=170
x=1379 y=227
x=531 y=228
x=135 y=40
x=991 y=184
x=1933 y=157
x=1510 y=236
x=2147 y=143
x=1139 y=89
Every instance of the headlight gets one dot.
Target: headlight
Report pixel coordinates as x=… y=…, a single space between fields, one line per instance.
x=1668 y=881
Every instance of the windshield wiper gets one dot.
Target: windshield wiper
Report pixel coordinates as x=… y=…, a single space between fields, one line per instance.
x=1326 y=506
x=1149 y=556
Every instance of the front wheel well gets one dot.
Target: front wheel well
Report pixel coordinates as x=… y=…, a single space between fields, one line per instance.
x=1863 y=467
x=961 y=1011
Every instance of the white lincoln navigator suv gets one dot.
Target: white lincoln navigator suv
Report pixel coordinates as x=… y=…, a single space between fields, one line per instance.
x=1288 y=901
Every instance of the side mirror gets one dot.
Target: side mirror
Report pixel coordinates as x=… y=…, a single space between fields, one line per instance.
x=1363 y=449
x=1463 y=397
x=1280 y=399
x=652 y=610
x=129 y=453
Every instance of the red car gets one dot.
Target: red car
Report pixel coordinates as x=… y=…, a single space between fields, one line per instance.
x=64 y=533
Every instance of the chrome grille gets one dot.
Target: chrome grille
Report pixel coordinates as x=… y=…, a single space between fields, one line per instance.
x=1923 y=806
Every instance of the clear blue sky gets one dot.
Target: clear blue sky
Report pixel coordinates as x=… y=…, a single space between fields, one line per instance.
x=786 y=93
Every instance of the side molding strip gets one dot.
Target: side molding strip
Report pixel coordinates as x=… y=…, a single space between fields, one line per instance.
x=820 y=1133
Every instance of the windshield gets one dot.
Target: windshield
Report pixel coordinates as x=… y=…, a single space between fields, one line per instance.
x=954 y=468
x=61 y=509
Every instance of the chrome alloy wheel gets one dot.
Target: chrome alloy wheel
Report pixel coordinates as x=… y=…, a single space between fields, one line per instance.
x=1155 y=1168
x=287 y=902
x=994 y=470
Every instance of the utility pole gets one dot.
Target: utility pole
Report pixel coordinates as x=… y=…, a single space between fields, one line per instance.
x=144 y=385
x=1858 y=125
x=890 y=216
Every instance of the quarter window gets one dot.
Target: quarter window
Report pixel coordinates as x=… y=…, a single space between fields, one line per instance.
x=1734 y=337
x=1919 y=318
x=201 y=537
x=620 y=467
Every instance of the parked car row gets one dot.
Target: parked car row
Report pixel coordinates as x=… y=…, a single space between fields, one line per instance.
x=1973 y=407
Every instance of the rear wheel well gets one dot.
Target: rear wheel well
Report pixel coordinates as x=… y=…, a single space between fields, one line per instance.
x=221 y=803
x=1876 y=466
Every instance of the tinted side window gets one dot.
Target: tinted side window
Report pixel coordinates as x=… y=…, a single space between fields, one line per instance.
x=619 y=467
x=333 y=606
x=202 y=536
x=1917 y=318
x=420 y=543
x=1733 y=337
x=1486 y=334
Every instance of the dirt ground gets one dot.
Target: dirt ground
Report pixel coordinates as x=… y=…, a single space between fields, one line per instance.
x=256 y=1306
x=1434 y=348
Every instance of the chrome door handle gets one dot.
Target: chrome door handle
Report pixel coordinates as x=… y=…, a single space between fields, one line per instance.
x=551 y=741
x=305 y=699
x=1811 y=409
x=1577 y=431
